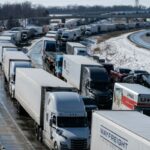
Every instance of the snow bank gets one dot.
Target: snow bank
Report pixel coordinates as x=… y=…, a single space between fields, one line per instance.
x=123 y=53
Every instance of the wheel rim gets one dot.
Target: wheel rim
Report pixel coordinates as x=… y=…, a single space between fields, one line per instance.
x=55 y=147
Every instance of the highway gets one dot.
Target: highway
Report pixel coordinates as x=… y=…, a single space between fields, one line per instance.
x=139 y=39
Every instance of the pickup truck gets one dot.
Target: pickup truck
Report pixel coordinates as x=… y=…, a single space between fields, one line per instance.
x=119 y=73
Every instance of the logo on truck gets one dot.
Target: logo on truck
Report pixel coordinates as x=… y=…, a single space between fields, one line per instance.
x=113 y=138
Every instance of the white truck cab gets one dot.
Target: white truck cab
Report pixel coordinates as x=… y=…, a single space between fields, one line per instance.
x=67 y=120
x=75 y=48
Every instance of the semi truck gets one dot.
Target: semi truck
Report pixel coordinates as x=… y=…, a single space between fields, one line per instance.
x=89 y=77
x=4 y=44
x=131 y=97
x=74 y=48
x=5 y=49
x=120 y=130
x=13 y=60
x=56 y=108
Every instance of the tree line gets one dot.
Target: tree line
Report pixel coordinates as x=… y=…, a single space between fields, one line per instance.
x=22 y=10
x=15 y=11
x=90 y=9
x=27 y=10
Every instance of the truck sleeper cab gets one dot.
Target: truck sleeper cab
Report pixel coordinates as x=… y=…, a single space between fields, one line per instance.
x=68 y=124
x=90 y=78
x=96 y=84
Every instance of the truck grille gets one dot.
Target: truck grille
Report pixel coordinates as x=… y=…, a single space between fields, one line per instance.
x=78 y=144
x=64 y=147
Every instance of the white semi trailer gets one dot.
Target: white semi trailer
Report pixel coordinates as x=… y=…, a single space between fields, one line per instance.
x=58 y=111
x=11 y=61
x=131 y=97
x=74 y=48
x=120 y=130
x=2 y=45
x=5 y=49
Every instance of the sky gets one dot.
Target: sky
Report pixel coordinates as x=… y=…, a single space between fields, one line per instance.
x=81 y=2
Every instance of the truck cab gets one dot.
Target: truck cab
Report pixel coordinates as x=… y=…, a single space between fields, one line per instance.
x=96 y=84
x=65 y=120
x=12 y=73
x=11 y=61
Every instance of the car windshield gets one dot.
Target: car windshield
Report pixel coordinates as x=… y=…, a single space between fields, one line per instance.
x=50 y=46
x=70 y=122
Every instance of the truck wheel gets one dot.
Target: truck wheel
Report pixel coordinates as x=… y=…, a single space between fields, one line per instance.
x=5 y=80
x=20 y=109
x=55 y=146
x=37 y=131
x=40 y=134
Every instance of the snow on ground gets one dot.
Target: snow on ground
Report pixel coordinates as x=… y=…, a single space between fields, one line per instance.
x=123 y=53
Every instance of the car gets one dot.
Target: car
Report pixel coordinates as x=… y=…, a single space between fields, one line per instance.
x=119 y=73
x=139 y=78
x=138 y=72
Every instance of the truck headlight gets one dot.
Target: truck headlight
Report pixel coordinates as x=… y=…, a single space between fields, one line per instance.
x=63 y=146
x=60 y=132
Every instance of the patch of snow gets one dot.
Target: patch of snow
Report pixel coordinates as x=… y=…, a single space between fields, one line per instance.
x=123 y=53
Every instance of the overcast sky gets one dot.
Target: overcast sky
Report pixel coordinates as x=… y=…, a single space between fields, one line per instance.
x=81 y=2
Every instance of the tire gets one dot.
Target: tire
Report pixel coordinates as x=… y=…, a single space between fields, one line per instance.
x=39 y=134
x=20 y=109
x=56 y=146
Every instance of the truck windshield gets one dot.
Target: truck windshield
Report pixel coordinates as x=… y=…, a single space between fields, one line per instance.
x=65 y=36
x=97 y=85
x=50 y=46
x=82 y=52
x=60 y=63
x=70 y=122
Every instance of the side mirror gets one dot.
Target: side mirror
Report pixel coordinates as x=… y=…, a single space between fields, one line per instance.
x=87 y=84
